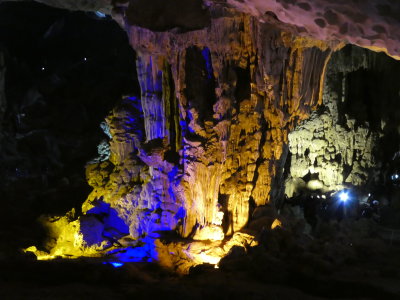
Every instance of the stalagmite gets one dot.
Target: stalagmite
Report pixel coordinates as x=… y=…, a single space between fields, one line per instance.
x=208 y=138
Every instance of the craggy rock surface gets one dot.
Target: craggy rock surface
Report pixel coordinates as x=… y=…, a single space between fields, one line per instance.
x=352 y=138
x=372 y=24
x=206 y=141
x=346 y=261
x=204 y=144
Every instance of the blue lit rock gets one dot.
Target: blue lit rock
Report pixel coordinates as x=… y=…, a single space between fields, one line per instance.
x=206 y=138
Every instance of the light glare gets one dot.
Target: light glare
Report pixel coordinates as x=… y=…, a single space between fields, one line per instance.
x=343 y=196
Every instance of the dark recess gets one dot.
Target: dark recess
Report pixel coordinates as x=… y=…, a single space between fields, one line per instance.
x=64 y=72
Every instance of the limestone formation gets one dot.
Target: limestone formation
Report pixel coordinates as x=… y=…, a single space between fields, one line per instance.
x=206 y=141
x=373 y=24
x=343 y=142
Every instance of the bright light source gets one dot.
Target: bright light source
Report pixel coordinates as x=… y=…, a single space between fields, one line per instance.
x=43 y=68
x=116 y=264
x=100 y=14
x=343 y=196
x=85 y=59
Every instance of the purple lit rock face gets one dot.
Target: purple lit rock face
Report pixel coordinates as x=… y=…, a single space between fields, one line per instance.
x=205 y=144
x=372 y=24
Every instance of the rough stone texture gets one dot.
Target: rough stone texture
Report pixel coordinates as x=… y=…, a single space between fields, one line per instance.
x=353 y=136
x=333 y=153
x=372 y=24
x=231 y=148
x=207 y=140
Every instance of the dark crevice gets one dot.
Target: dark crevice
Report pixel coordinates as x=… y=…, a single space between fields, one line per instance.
x=200 y=83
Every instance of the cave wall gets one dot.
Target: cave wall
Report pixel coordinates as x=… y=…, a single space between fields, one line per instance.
x=232 y=146
x=206 y=141
x=353 y=138
x=372 y=24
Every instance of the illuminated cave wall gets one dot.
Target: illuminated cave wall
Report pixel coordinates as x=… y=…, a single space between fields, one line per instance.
x=353 y=137
x=207 y=139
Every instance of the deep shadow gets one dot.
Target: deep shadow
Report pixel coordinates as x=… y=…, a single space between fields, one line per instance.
x=64 y=72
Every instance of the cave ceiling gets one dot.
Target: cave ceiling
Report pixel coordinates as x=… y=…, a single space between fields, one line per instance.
x=372 y=24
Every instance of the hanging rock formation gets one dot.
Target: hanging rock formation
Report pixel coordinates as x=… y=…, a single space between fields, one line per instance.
x=204 y=143
x=353 y=136
x=372 y=24
x=223 y=88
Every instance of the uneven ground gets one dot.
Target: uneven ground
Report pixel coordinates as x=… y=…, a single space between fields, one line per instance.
x=374 y=277
x=342 y=260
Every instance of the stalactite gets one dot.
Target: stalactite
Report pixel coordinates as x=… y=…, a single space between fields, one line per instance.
x=218 y=104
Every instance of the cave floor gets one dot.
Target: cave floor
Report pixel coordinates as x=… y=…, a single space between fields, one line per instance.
x=375 y=277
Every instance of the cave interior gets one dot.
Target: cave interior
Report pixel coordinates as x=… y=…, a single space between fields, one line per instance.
x=206 y=152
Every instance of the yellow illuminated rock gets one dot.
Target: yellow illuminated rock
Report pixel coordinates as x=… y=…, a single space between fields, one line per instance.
x=207 y=138
x=276 y=223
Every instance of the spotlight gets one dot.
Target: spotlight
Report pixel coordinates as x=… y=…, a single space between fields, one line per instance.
x=114 y=264
x=343 y=196
x=100 y=14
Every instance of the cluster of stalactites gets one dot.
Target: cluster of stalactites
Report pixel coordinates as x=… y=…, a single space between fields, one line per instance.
x=208 y=135
x=237 y=98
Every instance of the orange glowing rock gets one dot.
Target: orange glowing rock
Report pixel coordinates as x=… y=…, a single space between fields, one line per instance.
x=276 y=223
